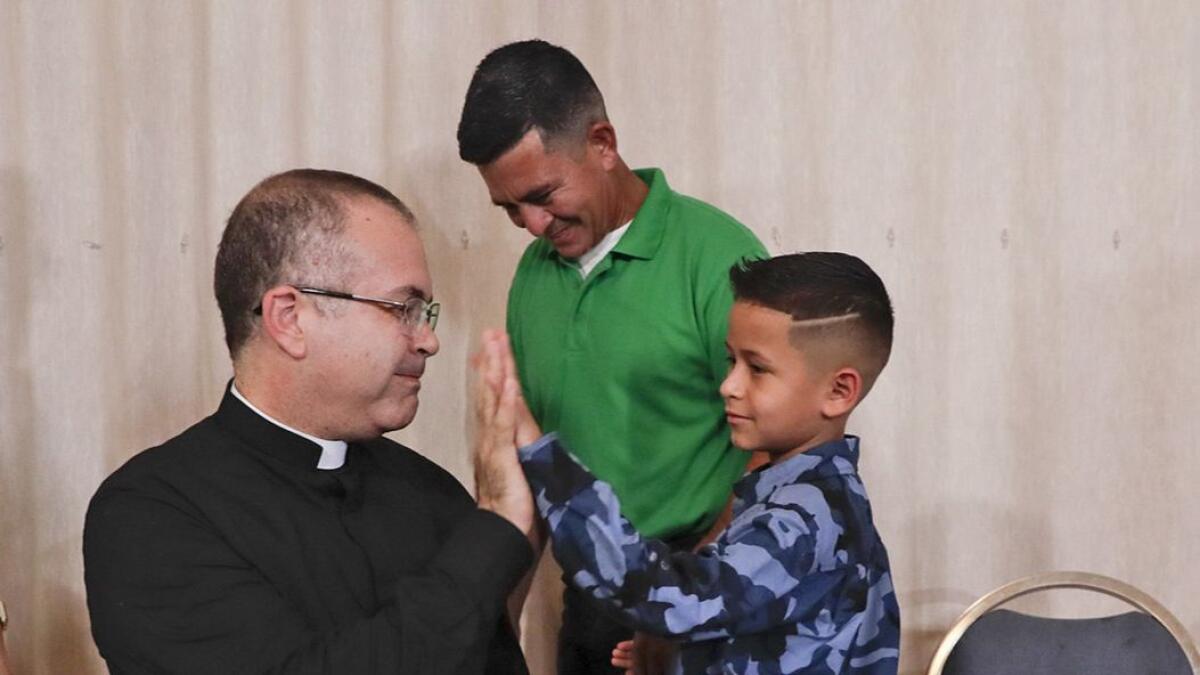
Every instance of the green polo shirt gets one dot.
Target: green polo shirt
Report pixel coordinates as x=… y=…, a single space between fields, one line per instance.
x=625 y=365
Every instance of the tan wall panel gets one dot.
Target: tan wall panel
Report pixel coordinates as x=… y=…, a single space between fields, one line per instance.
x=1024 y=176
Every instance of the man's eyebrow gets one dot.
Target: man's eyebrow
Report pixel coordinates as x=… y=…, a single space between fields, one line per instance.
x=408 y=291
x=532 y=195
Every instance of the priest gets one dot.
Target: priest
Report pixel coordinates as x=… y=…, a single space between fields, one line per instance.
x=284 y=533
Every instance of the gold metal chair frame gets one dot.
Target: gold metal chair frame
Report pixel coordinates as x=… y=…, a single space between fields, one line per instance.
x=1082 y=580
x=4 y=668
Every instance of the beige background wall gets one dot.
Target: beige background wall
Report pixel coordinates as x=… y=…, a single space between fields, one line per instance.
x=1024 y=175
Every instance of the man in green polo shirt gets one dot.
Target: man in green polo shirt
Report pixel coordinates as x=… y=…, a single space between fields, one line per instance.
x=618 y=309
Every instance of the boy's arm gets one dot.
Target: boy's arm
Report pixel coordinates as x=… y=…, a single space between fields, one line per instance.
x=745 y=582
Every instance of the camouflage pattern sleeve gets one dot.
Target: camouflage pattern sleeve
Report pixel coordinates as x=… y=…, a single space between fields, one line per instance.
x=745 y=582
x=798 y=583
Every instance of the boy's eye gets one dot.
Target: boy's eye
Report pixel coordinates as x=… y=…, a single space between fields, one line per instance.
x=757 y=369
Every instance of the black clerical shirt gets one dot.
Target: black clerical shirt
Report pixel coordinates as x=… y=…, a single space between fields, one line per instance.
x=225 y=550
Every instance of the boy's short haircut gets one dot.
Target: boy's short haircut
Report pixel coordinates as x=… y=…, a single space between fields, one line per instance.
x=828 y=294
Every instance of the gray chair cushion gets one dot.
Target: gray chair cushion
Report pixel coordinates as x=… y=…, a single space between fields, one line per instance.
x=1004 y=642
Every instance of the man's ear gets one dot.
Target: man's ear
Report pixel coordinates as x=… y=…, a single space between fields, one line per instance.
x=602 y=140
x=843 y=392
x=281 y=320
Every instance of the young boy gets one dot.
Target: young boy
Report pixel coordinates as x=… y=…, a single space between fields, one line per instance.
x=799 y=582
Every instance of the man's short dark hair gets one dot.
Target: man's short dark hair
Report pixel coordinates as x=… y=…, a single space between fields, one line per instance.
x=275 y=234
x=824 y=285
x=522 y=86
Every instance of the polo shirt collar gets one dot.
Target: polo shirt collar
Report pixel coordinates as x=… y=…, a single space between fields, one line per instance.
x=645 y=233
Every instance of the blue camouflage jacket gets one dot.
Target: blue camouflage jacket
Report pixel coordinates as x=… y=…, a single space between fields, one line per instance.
x=798 y=583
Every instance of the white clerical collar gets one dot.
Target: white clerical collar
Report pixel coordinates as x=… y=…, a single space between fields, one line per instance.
x=588 y=261
x=333 y=453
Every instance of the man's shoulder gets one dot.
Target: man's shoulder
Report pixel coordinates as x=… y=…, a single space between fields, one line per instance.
x=697 y=208
x=169 y=476
x=202 y=447
x=702 y=225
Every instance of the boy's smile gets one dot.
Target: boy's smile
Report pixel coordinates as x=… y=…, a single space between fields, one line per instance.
x=774 y=395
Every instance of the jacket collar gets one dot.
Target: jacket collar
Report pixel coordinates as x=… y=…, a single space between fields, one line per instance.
x=838 y=457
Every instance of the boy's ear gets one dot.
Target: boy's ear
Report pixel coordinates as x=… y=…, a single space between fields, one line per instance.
x=843 y=392
x=281 y=320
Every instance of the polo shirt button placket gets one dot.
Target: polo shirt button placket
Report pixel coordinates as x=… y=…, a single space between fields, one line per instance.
x=576 y=327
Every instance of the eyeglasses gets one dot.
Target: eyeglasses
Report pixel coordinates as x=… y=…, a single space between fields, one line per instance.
x=412 y=312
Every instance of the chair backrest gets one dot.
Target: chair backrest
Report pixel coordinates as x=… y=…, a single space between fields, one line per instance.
x=1001 y=641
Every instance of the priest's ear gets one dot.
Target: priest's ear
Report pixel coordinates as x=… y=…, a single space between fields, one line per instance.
x=281 y=320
